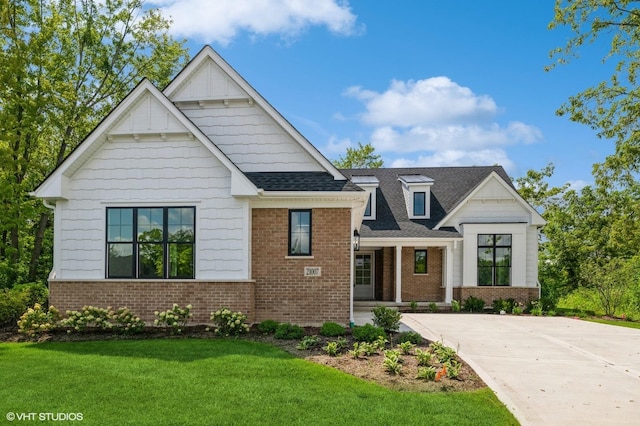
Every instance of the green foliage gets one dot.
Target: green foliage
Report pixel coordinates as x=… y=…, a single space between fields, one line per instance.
x=308 y=342
x=473 y=304
x=455 y=305
x=332 y=329
x=65 y=65
x=443 y=352
x=387 y=318
x=409 y=336
x=503 y=305
x=38 y=320
x=424 y=358
x=14 y=302
x=286 y=331
x=368 y=333
x=392 y=362
x=361 y=157
x=126 y=322
x=332 y=348
x=229 y=323
x=359 y=350
x=268 y=326
x=406 y=347
x=535 y=308
x=433 y=307
x=414 y=306
x=88 y=317
x=175 y=318
x=453 y=368
x=426 y=373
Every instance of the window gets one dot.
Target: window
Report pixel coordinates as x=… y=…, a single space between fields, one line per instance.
x=494 y=259
x=150 y=242
x=299 y=232
x=367 y=210
x=419 y=204
x=420 y=265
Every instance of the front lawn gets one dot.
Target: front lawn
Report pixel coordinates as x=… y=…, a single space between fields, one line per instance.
x=213 y=381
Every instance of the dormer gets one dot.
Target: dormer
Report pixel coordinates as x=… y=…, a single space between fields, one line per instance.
x=417 y=193
x=369 y=184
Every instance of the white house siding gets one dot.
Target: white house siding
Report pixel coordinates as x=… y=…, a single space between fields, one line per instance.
x=457 y=264
x=153 y=172
x=251 y=138
x=532 y=255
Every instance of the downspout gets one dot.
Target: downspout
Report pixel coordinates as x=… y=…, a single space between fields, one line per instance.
x=52 y=207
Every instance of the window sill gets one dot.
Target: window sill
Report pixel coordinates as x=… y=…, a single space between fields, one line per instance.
x=299 y=257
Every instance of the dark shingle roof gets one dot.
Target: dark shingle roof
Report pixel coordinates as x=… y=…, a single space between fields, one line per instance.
x=300 y=181
x=451 y=185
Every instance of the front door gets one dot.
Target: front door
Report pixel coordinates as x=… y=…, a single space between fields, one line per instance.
x=364 y=276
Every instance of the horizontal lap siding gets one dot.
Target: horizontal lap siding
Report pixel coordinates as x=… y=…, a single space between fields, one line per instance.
x=145 y=297
x=283 y=293
x=161 y=172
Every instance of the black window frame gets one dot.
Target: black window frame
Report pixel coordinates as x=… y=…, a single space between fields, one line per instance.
x=290 y=251
x=415 y=261
x=496 y=269
x=169 y=246
x=367 y=210
x=424 y=203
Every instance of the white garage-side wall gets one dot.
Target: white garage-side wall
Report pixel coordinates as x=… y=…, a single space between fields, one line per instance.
x=151 y=171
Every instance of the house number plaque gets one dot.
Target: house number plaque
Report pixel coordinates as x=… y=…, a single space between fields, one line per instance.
x=312 y=271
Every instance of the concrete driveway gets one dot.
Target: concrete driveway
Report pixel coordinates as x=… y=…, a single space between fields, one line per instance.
x=547 y=370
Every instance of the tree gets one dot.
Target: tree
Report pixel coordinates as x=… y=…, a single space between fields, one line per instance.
x=610 y=107
x=64 y=65
x=361 y=157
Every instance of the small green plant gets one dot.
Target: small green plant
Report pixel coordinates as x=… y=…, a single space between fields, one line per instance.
x=406 y=347
x=517 y=309
x=308 y=342
x=444 y=353
x=409 y=336
x=536 y=308
x=268 y=326
x=424 y=357
x=368 y=333
x=38 y=320
x=426 y=373
x=392 y=362
x=369 y=348
x=387 y=318
x=332 y=348
x=433 y=307
x=453 y=368
x=473 y=304
x=175 y=318
x=358 y=350
x=455 y=306
x=332 y=329
x=413 y=306
x=551 y=313
x=287 y=331
x=229 y=323
x=380 y=343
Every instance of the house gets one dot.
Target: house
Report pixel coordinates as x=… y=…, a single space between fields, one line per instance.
x=203 y=194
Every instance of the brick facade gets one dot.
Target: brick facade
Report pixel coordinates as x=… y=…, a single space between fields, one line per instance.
x=489 y=294
x=145 y=297
x=422 y=287
x=283 y=293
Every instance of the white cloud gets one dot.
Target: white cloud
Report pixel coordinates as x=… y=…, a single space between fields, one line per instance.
x=337 y=146
x=221 y=20
x=440 y=122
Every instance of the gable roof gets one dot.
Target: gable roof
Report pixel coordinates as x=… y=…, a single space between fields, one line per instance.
x=300 y=181
x=452 y=186
x=239 y=88
x=144 y=100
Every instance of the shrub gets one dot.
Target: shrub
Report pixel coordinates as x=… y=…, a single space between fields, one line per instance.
x=453 y=368
x=174 y=318
x=444 y=353
x=38 y=320
x=424 y=357
x=308 y=342
x=89 y=316
x=286 y=331
x=414 y=306
x=229 y=323
x=535 y=308
x=332 y=348
x=473 y=304
x=331 y=329
x=506 y=305
x=409 y=336
x=426 y=373
x=406 y=347
x=369 y=348
x=126 y=322
x=433 y=307
x=358 y=350
x=392 y=362
x=268 y=326
x=455 y=306
x=12 y=305
x=368 y=333
x=33 y=293
x=387 y=318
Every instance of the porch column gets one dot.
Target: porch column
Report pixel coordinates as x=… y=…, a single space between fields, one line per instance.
x=398 y=274
x=448 y=275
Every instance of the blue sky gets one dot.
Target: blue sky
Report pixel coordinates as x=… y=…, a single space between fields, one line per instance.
x=428 y=83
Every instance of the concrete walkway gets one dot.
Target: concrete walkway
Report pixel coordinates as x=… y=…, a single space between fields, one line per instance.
x=547 y=370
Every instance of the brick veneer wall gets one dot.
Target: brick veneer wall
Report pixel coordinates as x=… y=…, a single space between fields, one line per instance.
x=283 y=293
x=489 y=294
x=388 y=274
x=144 y=297
x=422 y=287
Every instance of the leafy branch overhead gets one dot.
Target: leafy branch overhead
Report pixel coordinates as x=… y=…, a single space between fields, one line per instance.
x=362 y=157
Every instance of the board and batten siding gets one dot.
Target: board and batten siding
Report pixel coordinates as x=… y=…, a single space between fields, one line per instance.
x=176 y=171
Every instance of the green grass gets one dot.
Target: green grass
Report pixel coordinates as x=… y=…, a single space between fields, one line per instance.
x=214 y=382
x=619 y=323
